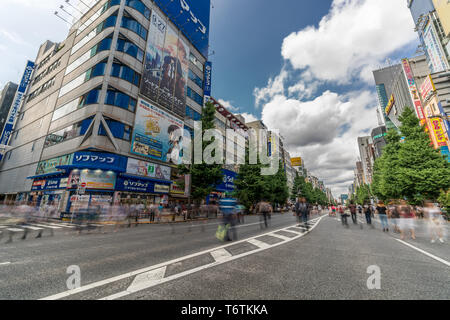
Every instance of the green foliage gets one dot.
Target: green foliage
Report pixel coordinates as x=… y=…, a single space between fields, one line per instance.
x=252 y=187
x=204 y=177
x=363 y=194
x=411 y=169
x=306 y=189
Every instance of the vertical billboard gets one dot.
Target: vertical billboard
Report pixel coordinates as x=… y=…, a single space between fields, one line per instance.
x=192 y=17
x=438 y=61
x=413 y=90
x=15 y=108
x=208 y=79
x=156 y=134
x=151 y=76
x=166 y=67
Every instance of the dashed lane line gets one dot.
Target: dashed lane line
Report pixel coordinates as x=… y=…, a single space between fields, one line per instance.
x=261 y=247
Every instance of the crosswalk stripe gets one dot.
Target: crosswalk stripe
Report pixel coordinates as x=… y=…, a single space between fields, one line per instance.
x=32 y=228
x=279 y=236
x=259 y=244
x=58 y=225
x=15 y=230
x=45 y=226
x=221 y=255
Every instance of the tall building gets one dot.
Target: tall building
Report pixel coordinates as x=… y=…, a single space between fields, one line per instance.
x=379 y=142
x=6 y=99
x=100 y=123
x=366 y=153
x=432 y=33
x=384 y=78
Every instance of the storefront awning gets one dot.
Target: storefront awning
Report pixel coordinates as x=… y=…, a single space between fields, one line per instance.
x=129 y=176
x=47 y=175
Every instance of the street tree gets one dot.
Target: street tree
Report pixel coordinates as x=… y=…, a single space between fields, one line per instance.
x=204 y=177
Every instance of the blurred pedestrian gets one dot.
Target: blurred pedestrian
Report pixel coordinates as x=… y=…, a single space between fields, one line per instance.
x=368 y=214
x=382 y=213
x=407 y=217
x=228 y=208
x=264 y=209
x=436 y=221
x=352 y=208
x=394 y=215
x=302 y=208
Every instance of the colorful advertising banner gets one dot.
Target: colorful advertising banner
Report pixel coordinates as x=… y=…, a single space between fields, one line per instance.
x=296 y=162
x=427 y=87
x=15 y=107
x=157 y=134
x=390 y=104
x=438 y=131
x=49 y=166
x=97 y=179
x=166 y=67
x=148 y=169
x=413 y=90
x=438 y=61
x=192 y=17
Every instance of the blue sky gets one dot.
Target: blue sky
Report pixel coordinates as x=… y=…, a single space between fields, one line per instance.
x=302 y=66
x=247 y=35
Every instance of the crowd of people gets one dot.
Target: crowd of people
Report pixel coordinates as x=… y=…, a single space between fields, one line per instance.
x=397 y=216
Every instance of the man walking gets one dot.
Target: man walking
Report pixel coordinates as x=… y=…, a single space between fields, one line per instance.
x=228 y=208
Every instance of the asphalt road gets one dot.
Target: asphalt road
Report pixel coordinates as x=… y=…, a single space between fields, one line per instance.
x=186 y=261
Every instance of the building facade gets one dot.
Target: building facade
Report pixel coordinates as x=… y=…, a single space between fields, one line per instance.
x=6 y=99
x=103 y=119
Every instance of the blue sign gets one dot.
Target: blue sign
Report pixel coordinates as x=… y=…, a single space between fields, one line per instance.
x=192 y=18
x=446 y=124
x=98 y=160
x=445 y=152
x=208 y=74
x=227 y=184
x=138 y=185
x=7 y=130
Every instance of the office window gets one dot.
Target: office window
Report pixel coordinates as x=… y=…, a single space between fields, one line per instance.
x=139 y=6
x=88 y=98
x=120 y=70
x=118 y=129
x=125 y=46
x=129 y=23
x=194 y=96
x=71 y=132
x=195 y=78
x=119 y=99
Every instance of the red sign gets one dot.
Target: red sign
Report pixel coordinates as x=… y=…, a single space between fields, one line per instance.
x=83 y=185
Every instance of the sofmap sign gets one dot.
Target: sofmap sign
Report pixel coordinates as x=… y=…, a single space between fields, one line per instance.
x=192 y=18
x=208 y=74
x=97 y=160
x=227 y=181
x=9 y=125
x=138 y=185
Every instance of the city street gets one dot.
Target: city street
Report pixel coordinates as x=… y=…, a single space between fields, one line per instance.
x=186 y=261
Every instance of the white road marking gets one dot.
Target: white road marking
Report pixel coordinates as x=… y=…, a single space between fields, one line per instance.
x=259 y=244
x=32 y=228
x=425 y=253
x=45 y=226
x=15 y=230
x=58 y=225
x=164 y=264
x=5 y=263
x=279 y=236
x=221 y=255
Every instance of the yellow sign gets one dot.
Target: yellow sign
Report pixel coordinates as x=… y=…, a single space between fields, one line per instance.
x=296 y=162
x=390 y=104
x=438 y=129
